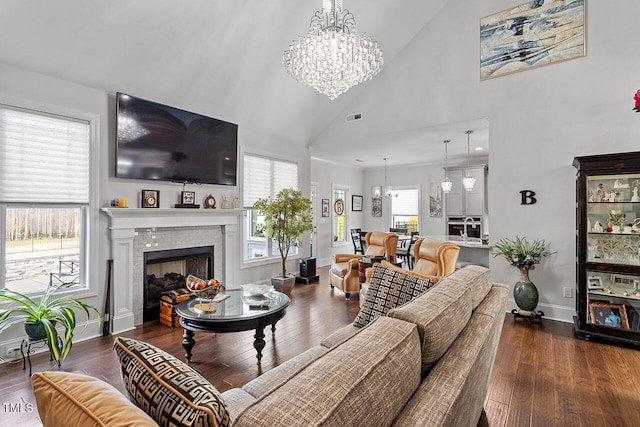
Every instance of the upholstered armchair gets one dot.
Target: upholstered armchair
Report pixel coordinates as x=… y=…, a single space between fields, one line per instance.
x=433 y=258
x=344 y=272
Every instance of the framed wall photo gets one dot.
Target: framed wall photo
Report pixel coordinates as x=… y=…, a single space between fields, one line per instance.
x=435 y=200
x=356 y=203
x=325 y=207
x=376 y=206
x=607 y=314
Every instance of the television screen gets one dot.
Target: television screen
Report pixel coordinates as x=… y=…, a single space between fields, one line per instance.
x=155 y=141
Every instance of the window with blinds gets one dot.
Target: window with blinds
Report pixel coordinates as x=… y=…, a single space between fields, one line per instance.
x=43 y=158
x=405 y=209
x=44 y=197
x=263 y=177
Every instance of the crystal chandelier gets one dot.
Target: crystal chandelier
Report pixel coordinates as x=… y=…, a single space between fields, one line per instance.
x=388 y=191
x=446 y=182
x=332 y=57
x=468 y=181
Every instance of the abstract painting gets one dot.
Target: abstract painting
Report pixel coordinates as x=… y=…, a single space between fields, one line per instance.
x=435 y=200
x=539 y=32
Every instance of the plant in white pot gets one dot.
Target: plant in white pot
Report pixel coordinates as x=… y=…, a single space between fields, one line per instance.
x=40 y=316
x=287 y=217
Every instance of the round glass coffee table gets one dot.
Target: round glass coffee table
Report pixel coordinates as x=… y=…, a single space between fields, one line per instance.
x=239 y=312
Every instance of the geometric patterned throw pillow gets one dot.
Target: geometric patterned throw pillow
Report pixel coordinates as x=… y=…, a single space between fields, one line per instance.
x=167 y=389
x=389 y=288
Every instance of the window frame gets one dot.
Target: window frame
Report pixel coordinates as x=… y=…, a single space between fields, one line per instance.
x=273 y=255
x=345 y=214
x=418 y=190
x=89 y=285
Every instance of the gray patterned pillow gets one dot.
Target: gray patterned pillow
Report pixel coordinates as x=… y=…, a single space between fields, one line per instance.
x=167 y=389
x=390 y=288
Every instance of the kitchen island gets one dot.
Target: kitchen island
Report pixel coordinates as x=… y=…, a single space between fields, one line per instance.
x=472 y=251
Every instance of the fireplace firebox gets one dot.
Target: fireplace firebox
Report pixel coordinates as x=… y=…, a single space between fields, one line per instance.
x=167 y=270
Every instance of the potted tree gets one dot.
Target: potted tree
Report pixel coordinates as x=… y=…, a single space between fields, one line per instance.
x=288 y=216
x=41 y=316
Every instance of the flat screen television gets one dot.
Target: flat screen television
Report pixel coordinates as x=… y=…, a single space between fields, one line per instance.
x=159 y=142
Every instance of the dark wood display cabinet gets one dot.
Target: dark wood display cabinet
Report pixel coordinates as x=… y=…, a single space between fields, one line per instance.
x=608 y=247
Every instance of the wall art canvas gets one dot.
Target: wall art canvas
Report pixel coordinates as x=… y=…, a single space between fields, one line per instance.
x=435 y=200
x=539 y=32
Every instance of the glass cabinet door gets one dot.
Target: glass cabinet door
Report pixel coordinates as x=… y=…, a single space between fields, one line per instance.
x=613 y=219
x=613 y=300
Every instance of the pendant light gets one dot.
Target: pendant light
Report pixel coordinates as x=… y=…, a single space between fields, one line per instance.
x=446 y=182
x=468 y=181
x=388 y=192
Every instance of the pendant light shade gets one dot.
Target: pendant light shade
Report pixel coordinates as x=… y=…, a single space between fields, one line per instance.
x=446 y=183
x=468 y=181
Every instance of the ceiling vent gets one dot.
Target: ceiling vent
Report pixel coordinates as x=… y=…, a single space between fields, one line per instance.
x=354 y=117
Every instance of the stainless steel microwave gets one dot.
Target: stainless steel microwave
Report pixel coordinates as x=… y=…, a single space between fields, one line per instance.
x=456 y=226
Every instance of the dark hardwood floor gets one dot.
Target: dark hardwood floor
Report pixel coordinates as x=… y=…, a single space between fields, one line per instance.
x=543 y=375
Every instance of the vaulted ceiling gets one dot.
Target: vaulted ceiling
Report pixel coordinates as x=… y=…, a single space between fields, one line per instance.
x=221 y=58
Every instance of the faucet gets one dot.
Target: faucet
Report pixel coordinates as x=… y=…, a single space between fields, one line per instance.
x=473 y=225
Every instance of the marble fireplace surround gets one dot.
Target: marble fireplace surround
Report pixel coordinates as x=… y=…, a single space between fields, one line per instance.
x=127 y=228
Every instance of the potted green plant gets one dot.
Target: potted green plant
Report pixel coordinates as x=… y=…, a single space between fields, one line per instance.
x=44 y=314
x=524 y=256
x=287 y=217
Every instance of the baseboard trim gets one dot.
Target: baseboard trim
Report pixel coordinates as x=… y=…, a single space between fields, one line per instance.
x=551 y=311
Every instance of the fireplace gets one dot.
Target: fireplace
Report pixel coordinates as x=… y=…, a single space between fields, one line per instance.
x=167 y=270
x=134 y=232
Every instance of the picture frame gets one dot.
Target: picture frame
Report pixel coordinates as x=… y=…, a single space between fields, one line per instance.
x=376 y=207
x=594 y=283
x=150 y=199
x=607 y=314
x=188 y=197
x=325 y=208
x=356 y=203
x=435 y=200
x=623 y=280
x=338 y=207
x=518 y=38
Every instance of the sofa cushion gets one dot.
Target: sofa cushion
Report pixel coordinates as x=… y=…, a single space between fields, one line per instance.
x=475 y=278
x=70 y=399
x=389 y=288
x=166 y=388
x=443 y=312
x=345 y=386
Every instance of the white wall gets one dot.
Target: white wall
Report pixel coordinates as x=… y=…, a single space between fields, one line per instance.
x=540 y=120
x=325 y=175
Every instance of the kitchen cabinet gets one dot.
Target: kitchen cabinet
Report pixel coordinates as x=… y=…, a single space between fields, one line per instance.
x=608 y=247
x=460 y=202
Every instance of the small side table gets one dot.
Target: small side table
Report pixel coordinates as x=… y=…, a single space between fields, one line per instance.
x=26 y=350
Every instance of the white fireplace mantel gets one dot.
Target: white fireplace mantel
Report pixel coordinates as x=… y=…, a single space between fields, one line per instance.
x=122 y=226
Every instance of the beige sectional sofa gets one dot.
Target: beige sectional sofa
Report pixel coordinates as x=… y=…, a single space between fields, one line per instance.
x=427 y=363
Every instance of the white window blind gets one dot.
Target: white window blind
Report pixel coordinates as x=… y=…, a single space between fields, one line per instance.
x=43 y=158
x=406 y=203
x=265 y=177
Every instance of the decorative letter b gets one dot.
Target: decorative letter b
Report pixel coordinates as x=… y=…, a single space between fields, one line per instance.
x=527 y=197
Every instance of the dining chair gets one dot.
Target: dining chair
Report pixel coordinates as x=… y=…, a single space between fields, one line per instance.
x=404 y=252
x=356 y=238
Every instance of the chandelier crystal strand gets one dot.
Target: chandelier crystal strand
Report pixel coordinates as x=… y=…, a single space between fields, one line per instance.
x=446 y=184
x=332 y=57
x=468 y=181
